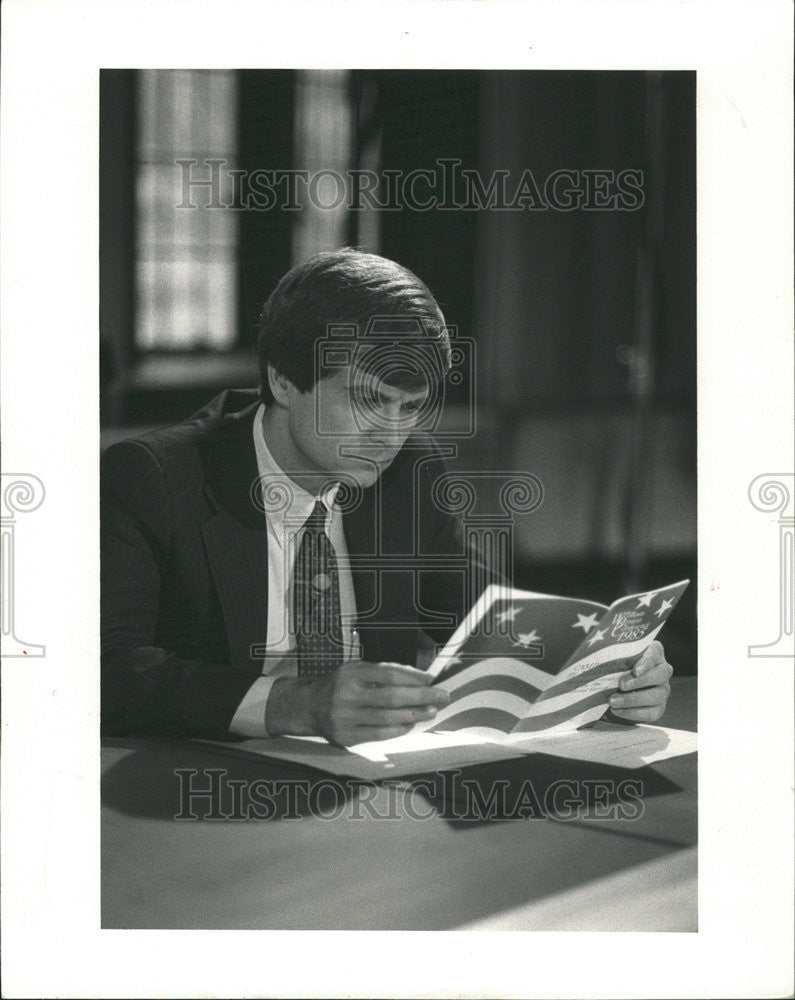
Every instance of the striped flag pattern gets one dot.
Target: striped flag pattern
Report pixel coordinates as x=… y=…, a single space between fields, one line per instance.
x=523 y=663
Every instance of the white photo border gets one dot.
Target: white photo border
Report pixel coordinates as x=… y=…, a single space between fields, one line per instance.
x=53 y=51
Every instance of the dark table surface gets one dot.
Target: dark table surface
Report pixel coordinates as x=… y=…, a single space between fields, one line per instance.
x=564 y=845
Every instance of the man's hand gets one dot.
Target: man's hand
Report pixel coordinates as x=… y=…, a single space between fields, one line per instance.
x=358 y=702
x=644 y=691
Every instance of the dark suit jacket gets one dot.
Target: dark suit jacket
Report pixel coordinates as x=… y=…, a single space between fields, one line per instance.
x=185 y=569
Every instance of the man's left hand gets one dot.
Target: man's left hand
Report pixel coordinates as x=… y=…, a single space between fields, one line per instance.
x=643 y=692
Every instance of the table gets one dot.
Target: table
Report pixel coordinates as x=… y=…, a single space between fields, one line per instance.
x=557 y=849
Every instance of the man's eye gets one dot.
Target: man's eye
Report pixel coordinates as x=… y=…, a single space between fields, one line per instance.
x=370 y=405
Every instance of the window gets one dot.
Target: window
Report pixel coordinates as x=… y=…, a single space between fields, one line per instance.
x=186 y=256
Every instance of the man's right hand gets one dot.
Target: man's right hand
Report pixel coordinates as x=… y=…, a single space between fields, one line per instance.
x=357 y=703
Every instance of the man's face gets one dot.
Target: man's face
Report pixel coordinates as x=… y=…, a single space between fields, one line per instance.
x=350 y=422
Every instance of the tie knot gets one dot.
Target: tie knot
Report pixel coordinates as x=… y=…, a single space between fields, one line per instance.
x=317 y=519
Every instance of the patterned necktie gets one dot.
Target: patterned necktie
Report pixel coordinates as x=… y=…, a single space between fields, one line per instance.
x=316 y=600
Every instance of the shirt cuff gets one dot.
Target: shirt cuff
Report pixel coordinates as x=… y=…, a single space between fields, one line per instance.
x=249 y=719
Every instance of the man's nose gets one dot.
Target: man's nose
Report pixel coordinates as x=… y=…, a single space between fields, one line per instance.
x=389 y=421
x=388 y=433
x=387 y=438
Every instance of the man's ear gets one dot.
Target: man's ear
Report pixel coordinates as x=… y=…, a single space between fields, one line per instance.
x=280 y=386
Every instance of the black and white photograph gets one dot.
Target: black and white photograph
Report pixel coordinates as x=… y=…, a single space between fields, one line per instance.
x=424 y=523
x=373 y=342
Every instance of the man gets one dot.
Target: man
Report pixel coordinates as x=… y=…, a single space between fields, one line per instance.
x=270 y=566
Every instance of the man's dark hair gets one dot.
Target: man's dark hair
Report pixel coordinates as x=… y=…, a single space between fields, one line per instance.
x=357 y=300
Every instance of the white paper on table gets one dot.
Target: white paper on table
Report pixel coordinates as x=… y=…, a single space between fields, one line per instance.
x=413 y=753
x=417 y=752
x=620 y=746
x=465 y=744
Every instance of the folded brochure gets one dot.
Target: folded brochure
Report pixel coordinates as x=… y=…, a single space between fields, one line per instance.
x=524 y=664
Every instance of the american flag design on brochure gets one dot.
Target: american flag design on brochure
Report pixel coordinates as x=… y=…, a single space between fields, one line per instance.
x=524 y=663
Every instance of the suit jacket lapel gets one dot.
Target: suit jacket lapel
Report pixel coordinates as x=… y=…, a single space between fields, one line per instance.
x=236 y=538
x=377 y=526
x=360 y=536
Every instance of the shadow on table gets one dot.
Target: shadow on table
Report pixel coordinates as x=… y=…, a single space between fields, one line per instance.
x=540 y=787
x=174 y=780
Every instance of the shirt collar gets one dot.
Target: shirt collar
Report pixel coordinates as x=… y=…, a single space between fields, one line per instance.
x=287 y=505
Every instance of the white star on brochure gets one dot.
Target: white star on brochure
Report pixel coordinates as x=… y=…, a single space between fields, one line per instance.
x=509 y=614
x=586 y=622
x=663 y=608
x=599 y=634
x=526 y=639
x=645 y=600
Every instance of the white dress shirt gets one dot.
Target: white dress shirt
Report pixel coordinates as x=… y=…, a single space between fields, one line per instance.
x=287 y=507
